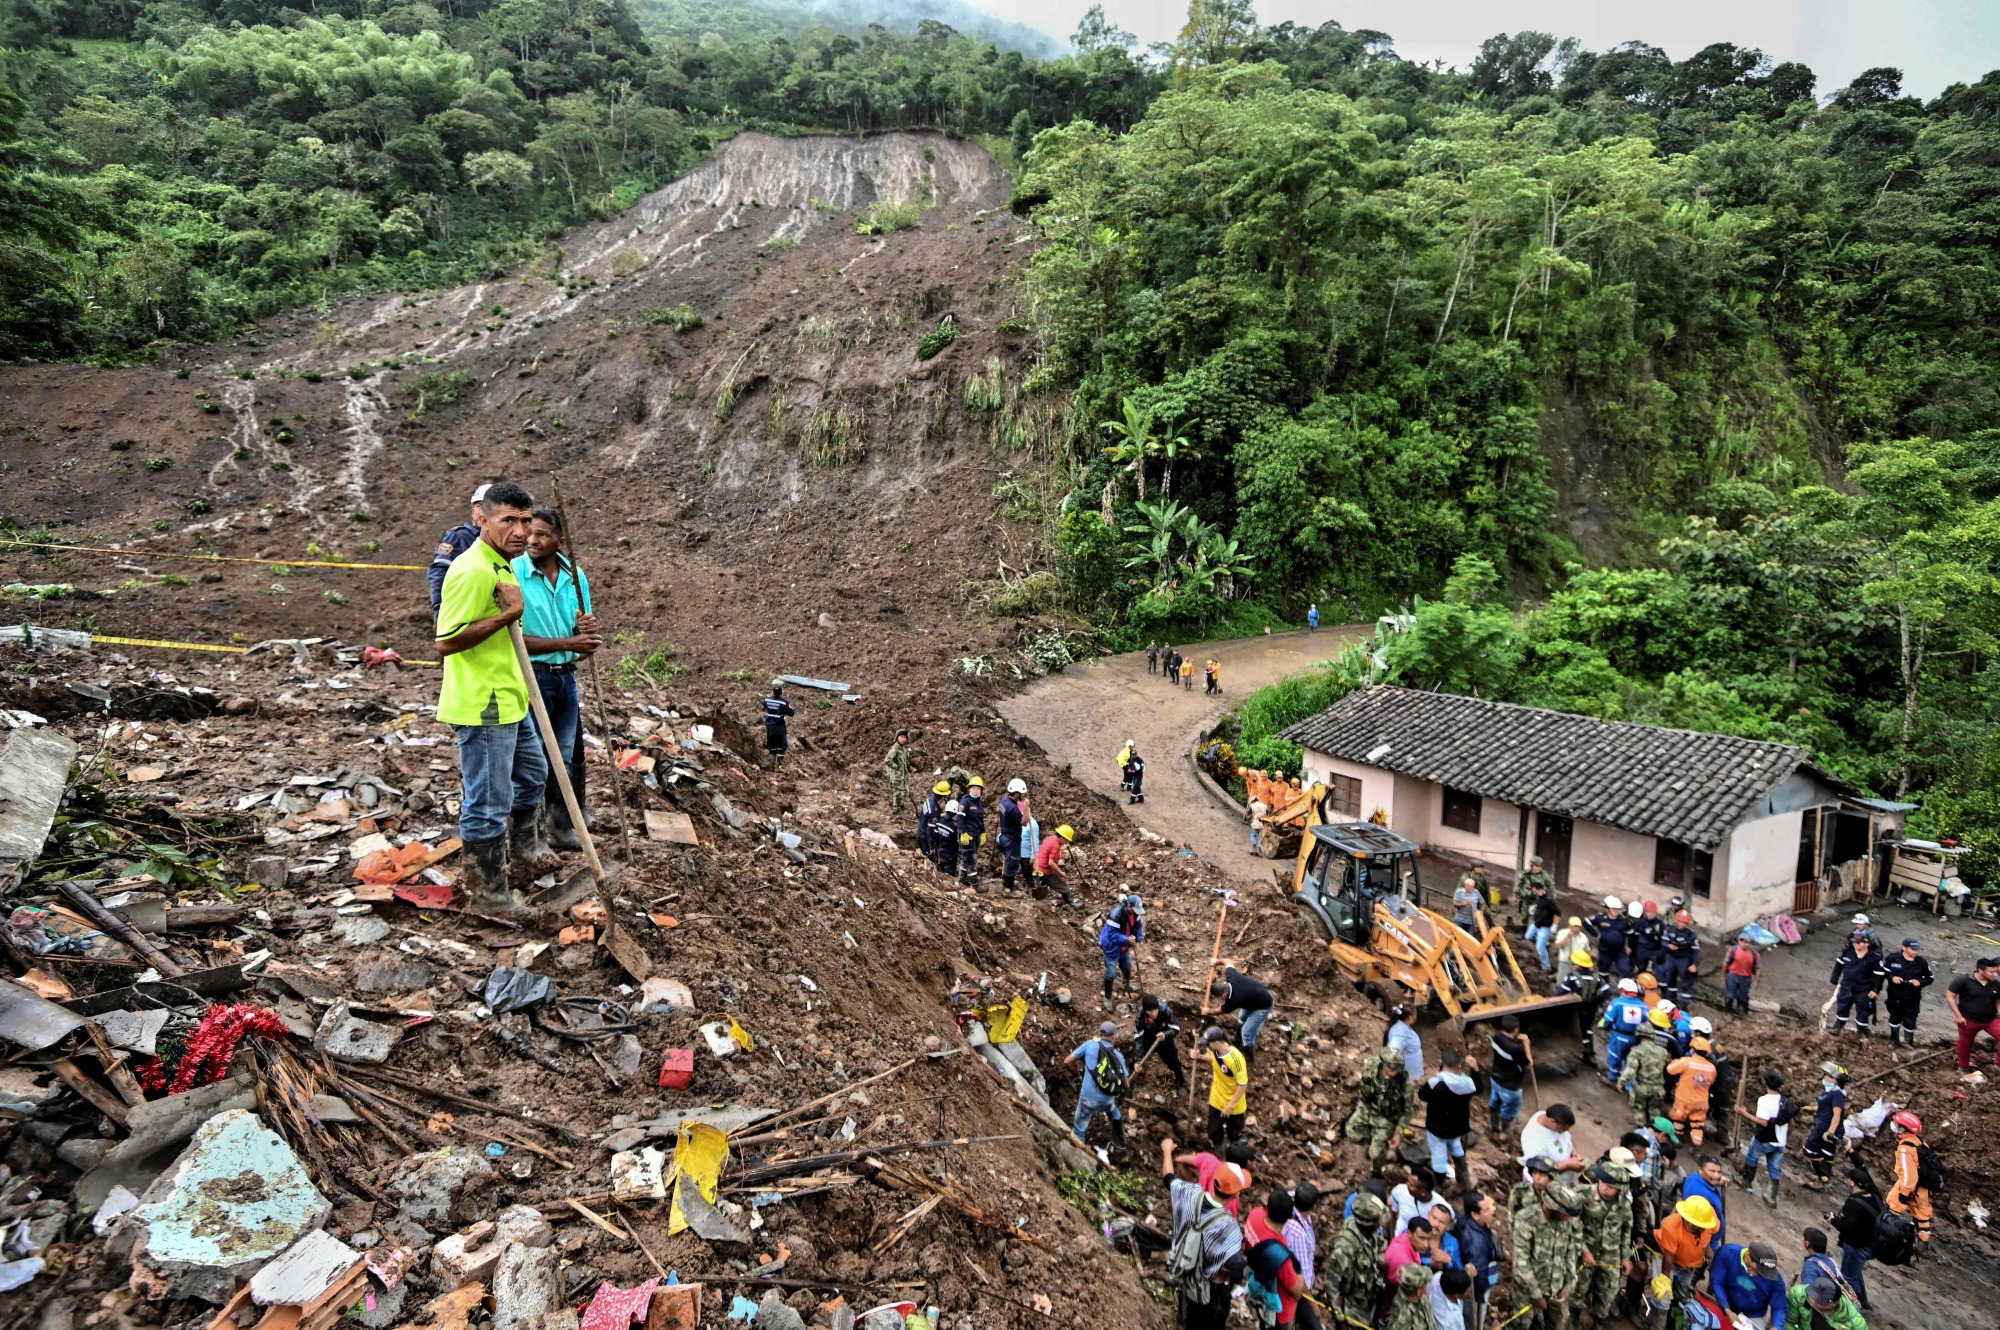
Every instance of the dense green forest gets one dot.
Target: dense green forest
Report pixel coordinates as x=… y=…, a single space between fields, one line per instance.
x=173 y=168
x=1362 y=334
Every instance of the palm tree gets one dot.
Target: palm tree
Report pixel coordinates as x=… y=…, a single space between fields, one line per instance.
x=1136 y=442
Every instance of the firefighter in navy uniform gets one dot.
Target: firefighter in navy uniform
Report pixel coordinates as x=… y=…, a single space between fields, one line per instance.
x=1645 y=939
x=776 y=709
x=1909 y=975
x=450 y=545
x=927 y=816
x=944 y=838
x=1681 y=960
x=971 y=830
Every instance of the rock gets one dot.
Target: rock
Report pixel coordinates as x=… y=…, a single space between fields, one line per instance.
x=344 y=1035
x=236 y=1199
x=445 y=1189
x=472 y=1255
x=394 y=975
x=526 y=1286
x=772 y=1313
x=84 y=1152
x=332 y=1108
x=361 y=930
x=387 y=1311
x=825 y=621
x=269 y=870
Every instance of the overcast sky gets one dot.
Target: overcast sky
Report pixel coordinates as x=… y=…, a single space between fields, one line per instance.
x=1934 y=42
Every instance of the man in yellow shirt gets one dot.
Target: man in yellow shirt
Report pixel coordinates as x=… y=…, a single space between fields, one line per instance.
x=485 y=699
x=1228 y=1088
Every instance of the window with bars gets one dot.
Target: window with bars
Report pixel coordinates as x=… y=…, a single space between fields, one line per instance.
x=1461 y=810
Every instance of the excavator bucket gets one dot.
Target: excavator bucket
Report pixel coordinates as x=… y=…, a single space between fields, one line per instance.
x=1360 y=884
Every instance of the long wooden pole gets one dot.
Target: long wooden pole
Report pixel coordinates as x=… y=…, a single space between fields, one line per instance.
x=561 y=769
x=1214 y=955
x=596 y=681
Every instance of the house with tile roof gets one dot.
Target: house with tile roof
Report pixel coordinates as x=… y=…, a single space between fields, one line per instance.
x=1741 y=827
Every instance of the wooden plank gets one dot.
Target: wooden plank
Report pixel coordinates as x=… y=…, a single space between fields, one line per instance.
x=34 y=769
x=674 y=828
x=99 y=1098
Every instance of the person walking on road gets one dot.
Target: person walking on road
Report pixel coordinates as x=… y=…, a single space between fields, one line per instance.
x=1258 y=809
x=484 y=698
x=1157 y=1029
x=1135 y=775
x=1105 y=1077
x=1187 y=676
x=777 y=736
x=1857 y=979
x=1740 y=968
x=1152 y=657
x=558 y=634
x=1974 y=1000
x=1909 y=975
x=896 y=766
x=1228 y=1087
x=1241 y=993
x=1312 y=618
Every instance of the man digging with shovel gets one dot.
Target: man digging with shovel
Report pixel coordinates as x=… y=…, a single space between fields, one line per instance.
x=485 y=700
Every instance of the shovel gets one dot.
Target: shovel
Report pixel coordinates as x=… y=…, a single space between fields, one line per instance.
x=561 y=769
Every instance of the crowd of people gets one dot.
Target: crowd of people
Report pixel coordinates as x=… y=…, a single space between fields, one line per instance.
x=1641 y=1228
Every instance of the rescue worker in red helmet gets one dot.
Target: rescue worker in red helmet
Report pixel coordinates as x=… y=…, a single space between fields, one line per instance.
x=1910 y=1196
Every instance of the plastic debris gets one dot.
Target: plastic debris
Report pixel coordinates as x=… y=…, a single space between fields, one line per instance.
x=516 y=990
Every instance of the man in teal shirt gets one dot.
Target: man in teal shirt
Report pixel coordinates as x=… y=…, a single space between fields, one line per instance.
x=558 y=633
x=485 y=701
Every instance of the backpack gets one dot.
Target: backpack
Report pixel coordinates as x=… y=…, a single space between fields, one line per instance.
x=1263 y=1299
x=1184 y=1257
x=1110 y=1077
x=1930 y=1169
x=1895 y=1238
x=1787 y=1110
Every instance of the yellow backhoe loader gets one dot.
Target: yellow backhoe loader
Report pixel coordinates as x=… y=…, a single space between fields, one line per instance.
x=1360 y=885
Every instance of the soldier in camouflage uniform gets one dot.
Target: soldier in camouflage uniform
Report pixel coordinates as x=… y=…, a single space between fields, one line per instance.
x=1385 y=1102
x=1524 y=894
x=1410 y=1308
x=1527 y=1195
x=1645 y=1076
x=1607 y=1241
x=1548 y=1253
x=1351 y=1272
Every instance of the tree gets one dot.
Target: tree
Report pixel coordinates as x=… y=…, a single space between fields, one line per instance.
x=1136 y=442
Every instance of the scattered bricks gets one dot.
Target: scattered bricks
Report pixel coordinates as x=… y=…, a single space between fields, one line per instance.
x=344 y=1035
x=269 y=870
x=473 y=1255
x=677 y=1069
x=445 y=1189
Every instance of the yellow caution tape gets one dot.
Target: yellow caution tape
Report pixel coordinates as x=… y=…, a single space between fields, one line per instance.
x=212 y=558
x=208 y=646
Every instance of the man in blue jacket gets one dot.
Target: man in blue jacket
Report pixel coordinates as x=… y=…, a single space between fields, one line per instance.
x=1706 y=1182
x=1747 y=1281
x=452 y=544
x=1608 y=927
x=1009 y=838
x=1123 y=928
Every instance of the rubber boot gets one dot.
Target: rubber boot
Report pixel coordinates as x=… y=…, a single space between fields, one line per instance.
x=562 y=836
x=1118 y=1133
x=528 y=846
x=484 y=873
x=1772 y=1199
x=1462 y=1170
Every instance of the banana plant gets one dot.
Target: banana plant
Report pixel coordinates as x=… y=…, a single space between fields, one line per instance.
x=1135 y=442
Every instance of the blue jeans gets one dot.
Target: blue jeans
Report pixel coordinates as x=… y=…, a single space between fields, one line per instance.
x=559 y=695
x=1508 y=1102
x=1443 y=1151
x=1115 y=965
x=1768 y=1153
x=503 y=771
x=1738 y=986
x=1256 y=840
x=1253 y=1021
x=1853 y=1262
x=1088 y=1106
x=1541 y=937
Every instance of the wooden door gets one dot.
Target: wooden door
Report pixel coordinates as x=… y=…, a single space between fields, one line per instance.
x=1805 y=878
x=1552 y=843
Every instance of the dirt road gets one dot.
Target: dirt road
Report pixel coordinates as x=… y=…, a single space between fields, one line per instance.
x=1082 y=716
